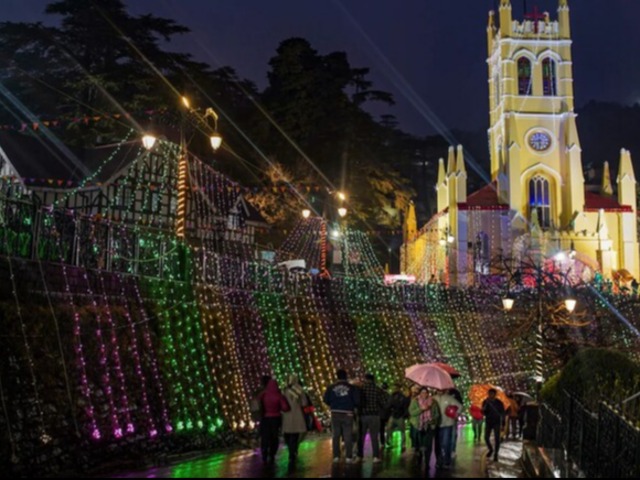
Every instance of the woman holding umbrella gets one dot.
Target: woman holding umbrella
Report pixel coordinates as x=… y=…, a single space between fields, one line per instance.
x=424 y=415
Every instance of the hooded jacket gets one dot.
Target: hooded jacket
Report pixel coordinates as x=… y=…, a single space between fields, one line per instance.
x=273 y=402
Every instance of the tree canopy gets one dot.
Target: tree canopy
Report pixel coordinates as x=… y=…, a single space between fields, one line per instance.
x=310 y=125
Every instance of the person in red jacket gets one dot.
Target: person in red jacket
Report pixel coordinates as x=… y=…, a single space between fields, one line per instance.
x=273 y=403
x=477 y=419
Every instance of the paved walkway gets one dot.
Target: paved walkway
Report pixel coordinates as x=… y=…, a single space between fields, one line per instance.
x=315 y=462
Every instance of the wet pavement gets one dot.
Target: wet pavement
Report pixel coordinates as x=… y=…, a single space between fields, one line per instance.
x=315 y=462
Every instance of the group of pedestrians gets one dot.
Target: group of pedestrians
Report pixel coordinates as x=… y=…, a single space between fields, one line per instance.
x=281 y=410
x=358 y=409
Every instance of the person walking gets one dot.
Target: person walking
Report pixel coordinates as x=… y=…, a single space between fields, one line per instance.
x=293 y=421
x=413 y=421
x=513 y=414
x=399 y=411
x=343 y=399
x=273 y=403
x=493 y=410
x=385 y=414
x=425 y=416
x=477 y=420
x=372 y=402
x=455 y=393
x=450 y=409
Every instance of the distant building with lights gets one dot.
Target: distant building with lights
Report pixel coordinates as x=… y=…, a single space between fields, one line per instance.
x=537 y=200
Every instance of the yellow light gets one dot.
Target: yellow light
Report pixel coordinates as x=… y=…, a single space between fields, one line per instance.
x=508 y=304
x=149 y=141
x=216 y=141
x=570 y=305
x=342 y=196
x=186 y=102
x=306 y=213
x=342 y=212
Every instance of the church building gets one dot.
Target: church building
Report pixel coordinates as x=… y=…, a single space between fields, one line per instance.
x=537 y=200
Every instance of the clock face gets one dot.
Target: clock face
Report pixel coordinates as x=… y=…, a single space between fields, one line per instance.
x=540 y=141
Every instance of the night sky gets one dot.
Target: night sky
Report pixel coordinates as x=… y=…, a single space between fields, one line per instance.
x=429 y=53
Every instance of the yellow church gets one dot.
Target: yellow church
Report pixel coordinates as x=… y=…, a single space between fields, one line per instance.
x=537 y=200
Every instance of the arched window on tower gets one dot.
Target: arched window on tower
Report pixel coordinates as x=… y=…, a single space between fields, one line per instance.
x=524 y=76
x=549 y=80
x=540 y=200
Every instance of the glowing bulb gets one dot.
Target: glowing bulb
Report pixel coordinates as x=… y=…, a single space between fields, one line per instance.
x=216 y=141
x=186 y=102
x=342 y=212
x=306 y=213
x=561 y=257
x=342 y=196
x=451 y=239
x=149 y=141
x=508 y=304
x=335 y=234
x=570 y=305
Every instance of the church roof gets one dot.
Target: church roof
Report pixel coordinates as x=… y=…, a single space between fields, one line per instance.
x=595 y=202
x=484 y=199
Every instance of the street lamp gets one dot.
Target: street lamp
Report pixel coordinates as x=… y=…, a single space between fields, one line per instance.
x=508 y=304
x=342 y=196
x=570 y=304
x=149 y=141
x=342 y=212
x=306 y=213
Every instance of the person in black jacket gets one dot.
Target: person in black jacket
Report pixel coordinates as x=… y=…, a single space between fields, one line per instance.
x=399 y=409
x=372 y=402
x=494 y=411
x=343 y=400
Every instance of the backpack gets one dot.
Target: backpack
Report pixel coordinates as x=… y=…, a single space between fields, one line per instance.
x=398 y=405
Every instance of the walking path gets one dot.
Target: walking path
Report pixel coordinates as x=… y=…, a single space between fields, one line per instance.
x=316 y=462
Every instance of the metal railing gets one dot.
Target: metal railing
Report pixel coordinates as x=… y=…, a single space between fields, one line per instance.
x=603 y=444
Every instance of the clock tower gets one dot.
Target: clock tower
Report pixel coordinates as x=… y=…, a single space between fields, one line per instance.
x=535 y=150
x=537 y=202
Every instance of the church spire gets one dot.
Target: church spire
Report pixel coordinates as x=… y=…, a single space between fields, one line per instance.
x=491 y=31
x=442 y=176
x=462 y=168
x=626 y=180
x=563 y=19
x=451 y=164
x=506 y=18
x=410 y=224
x=607 y=186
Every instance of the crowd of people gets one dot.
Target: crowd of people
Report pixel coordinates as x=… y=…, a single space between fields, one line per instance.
x=359 y=408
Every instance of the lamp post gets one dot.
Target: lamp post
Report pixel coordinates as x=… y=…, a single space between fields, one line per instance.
x=569 y=304
x=188 y=114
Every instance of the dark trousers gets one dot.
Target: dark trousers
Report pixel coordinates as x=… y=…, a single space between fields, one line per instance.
x=342 y=427
x=369 y=424
x=293 y=442
x=495 y=428
x=425 y=439
x=445 y=447
x=270 y=435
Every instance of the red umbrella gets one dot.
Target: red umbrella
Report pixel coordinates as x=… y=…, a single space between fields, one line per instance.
x=447 y=368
